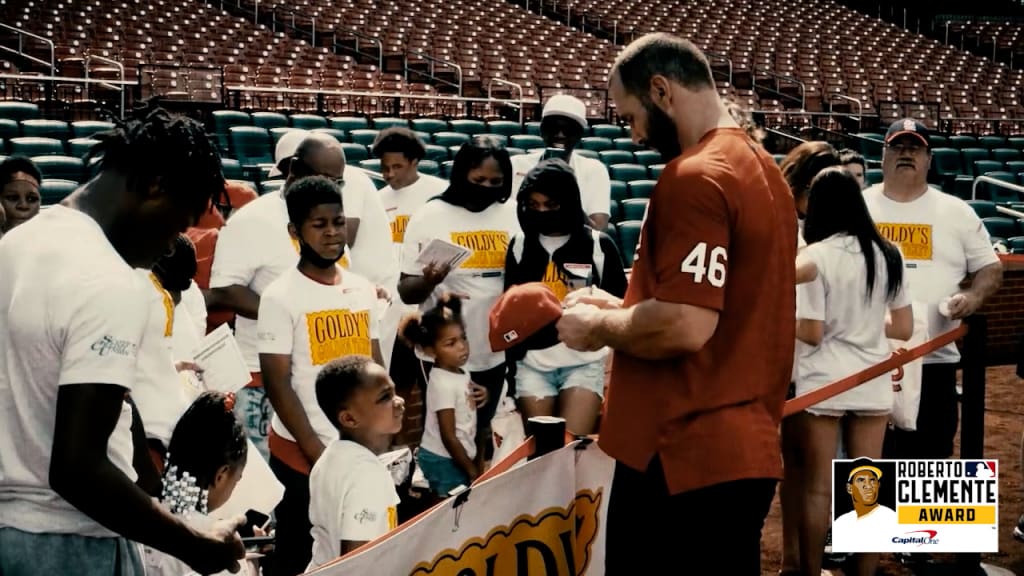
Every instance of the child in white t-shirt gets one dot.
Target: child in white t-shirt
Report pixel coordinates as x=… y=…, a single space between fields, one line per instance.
x=352 y=497
x=448 y=448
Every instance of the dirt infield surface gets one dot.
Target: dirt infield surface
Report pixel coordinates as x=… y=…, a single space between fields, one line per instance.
x=1004 y=422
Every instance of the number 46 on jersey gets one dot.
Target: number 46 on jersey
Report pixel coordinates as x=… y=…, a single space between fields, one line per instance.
x=704 y=266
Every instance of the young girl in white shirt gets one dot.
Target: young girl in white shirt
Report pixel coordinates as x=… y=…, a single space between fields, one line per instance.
x=448 y=449
x=856 y=279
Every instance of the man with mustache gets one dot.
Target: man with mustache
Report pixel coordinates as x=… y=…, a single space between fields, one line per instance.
x=703 y=340
x=943 y=242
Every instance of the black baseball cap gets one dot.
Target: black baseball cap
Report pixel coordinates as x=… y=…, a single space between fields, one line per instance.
x=908 y=127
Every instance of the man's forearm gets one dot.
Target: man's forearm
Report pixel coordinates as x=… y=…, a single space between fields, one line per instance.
x=638 y=331
x=987 y=281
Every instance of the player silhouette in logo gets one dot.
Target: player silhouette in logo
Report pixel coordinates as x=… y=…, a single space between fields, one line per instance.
x=868 y=516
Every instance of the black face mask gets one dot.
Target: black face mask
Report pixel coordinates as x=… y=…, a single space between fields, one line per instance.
x=316 y=260
x=477 y=198
x=548 y=222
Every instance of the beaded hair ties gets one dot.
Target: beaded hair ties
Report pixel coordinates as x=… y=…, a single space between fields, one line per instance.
x=181 y=495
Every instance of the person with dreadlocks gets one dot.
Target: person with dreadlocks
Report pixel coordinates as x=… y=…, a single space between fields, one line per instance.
x=72 y=318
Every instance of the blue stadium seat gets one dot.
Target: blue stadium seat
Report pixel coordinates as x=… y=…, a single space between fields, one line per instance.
x=429 y=125
x=53 y=191
x=627 y=144
x=613 y=157
x=308 y=121
x=629 y=235
x=32 y=146
x=385 y=123
x=468 y=126
x=45 y=129
x=634 y=208
x=449 y=139
x=526 y=141
x=365 y=136
x=355 y=153
x=641 y=189
x=89 y=128
x=61 y=167
x=269 y=120
x=596 y=143
x=350 y=123
x=504 y=127
x=610 y=131
x=18 y=111
x=79 y=147
x=627 y=172
x=647 y=157
x=251 y=145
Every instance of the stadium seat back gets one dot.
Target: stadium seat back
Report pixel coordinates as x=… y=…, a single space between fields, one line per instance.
x=308 y=121
x=34 y=146
x=61 y=167
x=268 y=120
x=53 y=190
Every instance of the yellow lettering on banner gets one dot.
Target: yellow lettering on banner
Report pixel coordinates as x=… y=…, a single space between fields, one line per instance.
x=946 y=514
x=168 y=305
x=488 y=248
x=553 y=279
x=555 y=542
x=343 y=261
x=398 y=227
x=337 y=333
x=915 y=240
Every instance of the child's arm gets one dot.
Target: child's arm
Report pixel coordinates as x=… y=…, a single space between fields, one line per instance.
x=446 y=424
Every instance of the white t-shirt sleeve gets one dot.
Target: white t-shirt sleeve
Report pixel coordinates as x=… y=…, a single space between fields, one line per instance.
x=274 y=326
x=810 y=296
x=353 y=194
x=441 y=395
x=100 y=340
x=235 y=257
x=976 y=240
x=596 y=188
x=415 y=237
x=368 y=509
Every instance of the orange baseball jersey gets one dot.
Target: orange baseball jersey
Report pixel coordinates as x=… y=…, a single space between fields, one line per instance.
x=719 y=234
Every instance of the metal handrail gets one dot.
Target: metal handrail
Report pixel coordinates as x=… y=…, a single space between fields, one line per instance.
x=513 y=85
x=293 y=13
x=116 y=64
x=360 y=36
x=858 y=103
x=435 y=60
x=67 y=79
x=803 y=87
x=784 y=134
x=995 y=182
x=728 y=62
x=21 y=51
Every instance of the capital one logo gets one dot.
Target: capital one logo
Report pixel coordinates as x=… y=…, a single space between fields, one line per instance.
x=108 y=345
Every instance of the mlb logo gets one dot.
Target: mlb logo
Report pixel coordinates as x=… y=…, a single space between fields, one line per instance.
x=510 y=336
x=909 y=125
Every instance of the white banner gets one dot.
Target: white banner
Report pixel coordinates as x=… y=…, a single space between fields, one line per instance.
x=544 y=517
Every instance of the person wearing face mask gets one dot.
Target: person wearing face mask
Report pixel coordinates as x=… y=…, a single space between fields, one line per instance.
x=558 y=248
x=563 y=124
x=471 y=213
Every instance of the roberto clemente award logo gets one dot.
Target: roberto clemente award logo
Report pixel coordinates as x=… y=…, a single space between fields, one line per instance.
x=915 y=506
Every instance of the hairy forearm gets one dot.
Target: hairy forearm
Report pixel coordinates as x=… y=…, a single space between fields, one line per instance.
x=987 y=281
x=643 y=331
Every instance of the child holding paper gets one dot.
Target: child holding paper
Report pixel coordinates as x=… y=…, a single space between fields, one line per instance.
x=351 y=492
x=310 y=315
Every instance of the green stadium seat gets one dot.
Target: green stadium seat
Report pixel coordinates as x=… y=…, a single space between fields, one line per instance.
x=870 y=145
x=629 y=236
x=424 y=137
x=251 y=145
x=504 y=127
x=45 y=129
x=641 y=189
x=992 y=142
x=1001 y=226
x=350 y=123
x=971 y=155
x=984 y=208
x=89 y=128
x=280 y=131
x=79 y=147
x=499 y=137
x=32 y=146
x=610 y=131
x=436 y=153
x=647 y=157
x=370 y=164
x=377 y=180
x=1006 y=154
x=232 y=169
x=634 y=208
x=946 y=162
x=587 y=153
x=308 y=121
x=223 y=120
x=18 y=111
x=429 y=167
x=449 y=139
x=468 y=126
x=1016 y=142
x=53 y=190
x=627 y=172
x=526 y=141
x=355 y=153
x=1015 y=244
x=446 y=168
x=1015 y=166
x=596 y=143
x=9 y=129
x=532 y=128
x=938 y=141
x=654 y=170
x=61 y=167
x=364 y=136
x=987 y=166
x=385 y=123
x=268 y=186
x=429 y=125
x=338 y=135
x=453 y=150
x=961 y=141
x=873 y=176
x=269 y=120
x=613 y=157
x=612 y=232
x=614 y=211
x=999 y=194
x=627 y=144
x=512 y=151
x=619 y=190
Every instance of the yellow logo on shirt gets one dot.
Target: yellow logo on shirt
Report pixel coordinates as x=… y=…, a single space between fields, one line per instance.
x=392 y=517
x=337 y=333
x=488 y=246
x=915 y=240
x=343 y=261
x=398 y=227
x=554 y=279
x=168 y=305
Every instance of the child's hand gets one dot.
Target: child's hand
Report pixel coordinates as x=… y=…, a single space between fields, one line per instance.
x=480 y=394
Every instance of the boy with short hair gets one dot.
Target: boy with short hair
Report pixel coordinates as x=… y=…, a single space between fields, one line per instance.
x=352 y=494
x=310 y=315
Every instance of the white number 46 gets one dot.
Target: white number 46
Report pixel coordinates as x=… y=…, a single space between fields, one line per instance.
x=698 y=263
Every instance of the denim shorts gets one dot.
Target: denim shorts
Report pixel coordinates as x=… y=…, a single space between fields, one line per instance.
x=537 y=384
x=252 y=406
x=442 y=473
x=28 y=554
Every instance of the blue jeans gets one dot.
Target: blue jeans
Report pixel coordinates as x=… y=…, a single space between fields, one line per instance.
x=537 y=384
x=28 y=554
x=443 y=474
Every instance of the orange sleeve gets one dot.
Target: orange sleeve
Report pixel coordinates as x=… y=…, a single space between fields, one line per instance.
x=689 y=235
x=240 y=194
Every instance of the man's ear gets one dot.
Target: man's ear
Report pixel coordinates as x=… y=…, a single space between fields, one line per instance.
x=849 y=489
x=661 y=92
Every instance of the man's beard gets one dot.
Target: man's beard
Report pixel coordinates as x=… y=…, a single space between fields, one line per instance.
x=662 y=132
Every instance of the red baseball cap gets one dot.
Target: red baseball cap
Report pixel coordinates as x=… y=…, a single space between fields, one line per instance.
x=522 y=311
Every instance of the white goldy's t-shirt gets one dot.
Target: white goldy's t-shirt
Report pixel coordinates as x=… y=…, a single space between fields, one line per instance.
x=448 y=390
x=315 y=323
x=487 y=234
x=400 y=205
x=351 y=497
x=591 y=175
x=78 y=319
x=371 y=257
x=942 y=241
